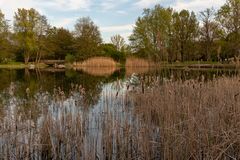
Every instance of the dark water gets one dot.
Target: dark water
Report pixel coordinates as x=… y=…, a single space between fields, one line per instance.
x=22 y=84
x=27 y=94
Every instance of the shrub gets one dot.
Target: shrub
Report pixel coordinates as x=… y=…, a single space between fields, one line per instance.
x=70 y=58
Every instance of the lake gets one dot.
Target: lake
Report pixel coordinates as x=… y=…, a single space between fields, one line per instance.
x=85 y=114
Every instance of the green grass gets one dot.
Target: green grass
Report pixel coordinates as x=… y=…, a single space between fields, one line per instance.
x=199 y=64
x=20 y=65
x=194 y=62
x=13 y=65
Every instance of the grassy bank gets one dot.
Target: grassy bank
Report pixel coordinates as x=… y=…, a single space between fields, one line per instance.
x=13 y=65
x=21 y=65
x=132 y=64
x=200 y=64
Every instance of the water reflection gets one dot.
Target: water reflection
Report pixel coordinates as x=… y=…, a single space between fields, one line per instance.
x=43 y=85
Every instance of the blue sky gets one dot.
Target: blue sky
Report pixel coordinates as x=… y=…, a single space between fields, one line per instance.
x=112 y=16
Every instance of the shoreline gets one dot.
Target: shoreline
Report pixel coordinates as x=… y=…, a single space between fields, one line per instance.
x=184 y=65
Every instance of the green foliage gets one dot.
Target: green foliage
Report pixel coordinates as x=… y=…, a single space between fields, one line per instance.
x=229 y=19
x=69 y=58
x=150 y=36
x=30 y=28
x=209 y=34
x=88 y=39
x=6 y=49
x=185 y=29
x=159 y=34
x=110 y=50
x=60 y=43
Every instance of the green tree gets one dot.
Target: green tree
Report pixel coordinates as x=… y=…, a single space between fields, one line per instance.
x=41 y=31
x=228 y=17
x=110 y=50
x=88 y=38
x=209 y=32
x=4 y=27
x=60 y=43
x=30 y=27
x=150 y=36
x=5 y=45
x=185 y=29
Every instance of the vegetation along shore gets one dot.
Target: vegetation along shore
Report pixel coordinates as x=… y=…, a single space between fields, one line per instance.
x=170 y=91
x=159 y=34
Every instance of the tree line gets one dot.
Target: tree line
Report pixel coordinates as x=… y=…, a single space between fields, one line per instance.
x=32 y=38
x=160 y=34
x=165 y=34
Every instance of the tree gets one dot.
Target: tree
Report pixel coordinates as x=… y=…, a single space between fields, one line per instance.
x=228 y=17
x=60 y=43
x=118 y=42
x=88 y=38
x=110 y=50
x=5 y=46
x=185 y=28
x=150 y=34
x=4 y=27
x=30 y=27
x=41 y=31
x=209 y=32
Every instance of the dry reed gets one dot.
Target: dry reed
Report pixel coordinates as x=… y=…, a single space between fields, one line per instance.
x=197 y=120
x=137 y=65
x=171 y=120
x=97 y=62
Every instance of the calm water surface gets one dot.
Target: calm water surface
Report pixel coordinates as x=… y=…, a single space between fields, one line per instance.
x=19 y=88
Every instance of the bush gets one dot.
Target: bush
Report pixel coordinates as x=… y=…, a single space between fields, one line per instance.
x=110 y=50
x=69 y=58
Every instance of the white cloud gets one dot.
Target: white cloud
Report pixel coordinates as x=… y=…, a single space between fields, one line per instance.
x=108 y=4
x=124 y=30
x=69 y=4
x=146 y=3
x=9 y=7
x=197 y=5
x=119 y=28
x=63 y=22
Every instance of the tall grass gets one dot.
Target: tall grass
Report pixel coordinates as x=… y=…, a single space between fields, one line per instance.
x=197 y=120
x=171 y=120
x=97 y=62
x=137 y=65
x=137 y=62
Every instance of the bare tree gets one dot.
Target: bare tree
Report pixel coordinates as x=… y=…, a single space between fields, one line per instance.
x=118 y=41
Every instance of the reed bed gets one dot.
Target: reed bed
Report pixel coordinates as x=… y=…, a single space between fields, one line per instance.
x=96 y=62
x=196 y=119
x=160 y=119
x=138 y=62
x=138 y=65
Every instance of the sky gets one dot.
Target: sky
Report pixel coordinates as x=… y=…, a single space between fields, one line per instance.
x=112 y=16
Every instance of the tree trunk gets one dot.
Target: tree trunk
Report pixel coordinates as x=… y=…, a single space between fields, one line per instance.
x=182 y=59
x=26 y=57
x=39 y=57
x=36 y=59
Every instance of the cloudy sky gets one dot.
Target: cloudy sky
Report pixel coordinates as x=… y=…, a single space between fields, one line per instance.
x=112 y=16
